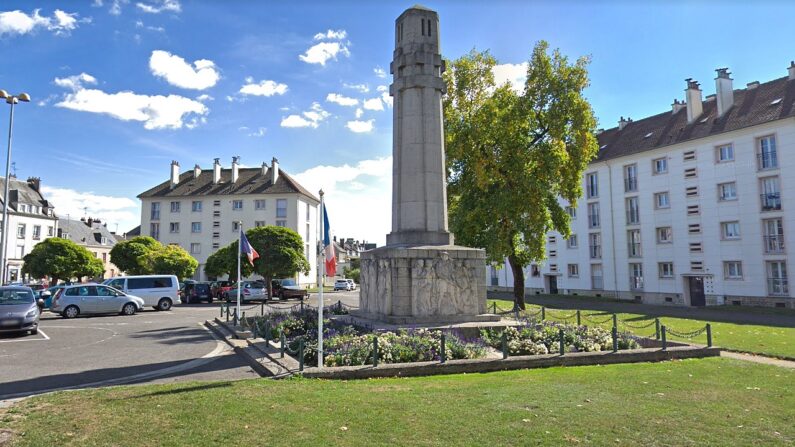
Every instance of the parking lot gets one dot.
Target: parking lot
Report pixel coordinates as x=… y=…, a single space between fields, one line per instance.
x=150 y=346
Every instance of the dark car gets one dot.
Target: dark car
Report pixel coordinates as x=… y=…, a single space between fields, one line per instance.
x=196 y=292
x=219 y=287
x=19 y=311
x=288 y=288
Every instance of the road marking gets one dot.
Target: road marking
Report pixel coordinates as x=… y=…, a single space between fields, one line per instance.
x=28 y=339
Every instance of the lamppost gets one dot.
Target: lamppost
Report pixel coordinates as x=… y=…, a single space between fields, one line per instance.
x=12 y=100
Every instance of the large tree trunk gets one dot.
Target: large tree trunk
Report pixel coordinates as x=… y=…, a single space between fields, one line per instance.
x=518 y=282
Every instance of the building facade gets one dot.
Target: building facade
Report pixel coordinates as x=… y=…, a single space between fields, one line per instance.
x=689 y=207
x=94 y=236
x=31 y=219
x=199 y=210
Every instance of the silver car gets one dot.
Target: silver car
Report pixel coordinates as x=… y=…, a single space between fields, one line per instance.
x=19 y=310
x=83 y=299
x=251 y=291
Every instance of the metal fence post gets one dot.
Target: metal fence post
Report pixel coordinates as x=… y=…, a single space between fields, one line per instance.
x=443 y=352
x=262 y=308
x=614 y=332
x=222 y=310
x=375 y=350
x=657 y=328
x=709 y=335
x=235 y=317
x=302 y=304
x=579 y=321
x=301 y=354
x=543 y=313
x=494 y=307
x=504 y=345
x=615 y=321
x=281 y=337
x=562 y=338
x=664 y=342
x=254 y=329
x=339 y=305
x=227 y=313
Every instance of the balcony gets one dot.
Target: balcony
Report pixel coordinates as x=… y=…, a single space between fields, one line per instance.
x=630 y=184
x=597 y=282
x=595 y=251
x=636 y=283
x=633 y=217
x=778 y=286
x=771 y=201
x=767 y=160
x=634 y=250
x=774 y=244
x=593 y=221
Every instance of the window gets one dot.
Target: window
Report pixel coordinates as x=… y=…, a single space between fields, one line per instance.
x=156 y=282
x=766 y=153
x=216 y=213
x=308 y=208
x=281 y=208
x=553 y=253
x=771 y=197
x=196 y=227
x=104 y=257
x=175 y=207
x=306 y=239
x=693 y=210
x=697 y=266
x=593 y=215
x=195 y=248
x=235 y=226
x=661 y=200
x=689 y=156
x=695 y=247
x=237 y=205
x=727 y=191
x=694 y=228
x=50 y=231
x=592 y=185
x=777 y=278
x=595 y=245
x=36 y=232
x=154 y=230
x=259 y=204
x=196 y=206
x=21 y=231
x=216 y=234
x=572 y=212
x=665 y=269
x=730 y=230
x=553 y=267
x=691 y=191
x=216 y=245
x=155 y=211
x=660 y=165
x=20 y=252
x=173 y=227
x=597 y=281
x=574 y=270
x=773 y=235
x=571 y=242
x=733 y=270
x=664 y=235
x=630 y=178
x=691 y=173
x=636 y=276
x=633 y=243
x=216 y=203
x=633 y=211
x=552 y=239
x=534 y=271
x=281 y=223
x=724 y=153
x=259 y=223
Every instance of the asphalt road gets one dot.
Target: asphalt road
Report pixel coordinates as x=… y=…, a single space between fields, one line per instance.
x=148 y=347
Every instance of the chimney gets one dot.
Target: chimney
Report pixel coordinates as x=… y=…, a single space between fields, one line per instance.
x=274 y=170
x=197 y=171
x=174 y=173
x=752 y=85
x=235 y=169
x=622 y=123
x=791 y=70
x=677 y=106
x=724 y=91
x=264 y=169
x=216 y=171
x=693 y=100
x=34 y=183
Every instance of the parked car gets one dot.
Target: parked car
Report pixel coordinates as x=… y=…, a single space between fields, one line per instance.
x=47 y=297
x=82 y=299
x=19 y=310
x=218 y=288
x=342 y=284
x=352 y=283
x=249 y=291
x=197 y=292
x=158 y=291
x=288 y=288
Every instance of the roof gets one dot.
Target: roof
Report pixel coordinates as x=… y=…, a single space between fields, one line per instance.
x=82 y=234
x=751 y=107
x=23 y=192
x=250 y=181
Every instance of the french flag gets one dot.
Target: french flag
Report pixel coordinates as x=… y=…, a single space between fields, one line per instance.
x=331 y=258
x=245 y=247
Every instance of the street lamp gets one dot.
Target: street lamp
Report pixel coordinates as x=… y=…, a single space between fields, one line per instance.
x=12 y=100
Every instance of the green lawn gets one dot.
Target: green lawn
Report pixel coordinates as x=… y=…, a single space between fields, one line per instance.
x=768 y=340
x=693 y=402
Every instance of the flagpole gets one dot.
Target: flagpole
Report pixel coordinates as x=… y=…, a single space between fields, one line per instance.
x=239 y=254
x=321 y=273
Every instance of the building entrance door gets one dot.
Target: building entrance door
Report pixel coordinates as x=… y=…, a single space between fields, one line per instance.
x=697 y=297
x=553 y=284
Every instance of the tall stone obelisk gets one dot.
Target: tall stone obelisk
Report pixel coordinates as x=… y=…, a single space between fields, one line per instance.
x=420 y=276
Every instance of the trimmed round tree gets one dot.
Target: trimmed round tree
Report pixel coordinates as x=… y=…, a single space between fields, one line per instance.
x=59 y=259
x=281 y=253
x=129 y=255
x=171 y=260
x=222 y=262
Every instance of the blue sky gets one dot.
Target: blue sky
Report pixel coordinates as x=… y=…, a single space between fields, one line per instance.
x=121 y=88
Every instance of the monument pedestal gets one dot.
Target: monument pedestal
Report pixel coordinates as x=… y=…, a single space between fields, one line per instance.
x=435 y=284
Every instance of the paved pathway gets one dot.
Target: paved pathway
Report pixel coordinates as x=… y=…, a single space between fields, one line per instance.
x=758 y=359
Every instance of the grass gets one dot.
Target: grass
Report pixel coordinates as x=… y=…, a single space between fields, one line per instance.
x=693 y=402
x=766 y=340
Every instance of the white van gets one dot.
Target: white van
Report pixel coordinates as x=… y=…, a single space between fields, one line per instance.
x=158 y=291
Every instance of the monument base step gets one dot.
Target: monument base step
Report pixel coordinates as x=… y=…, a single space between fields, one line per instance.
x=425 y=319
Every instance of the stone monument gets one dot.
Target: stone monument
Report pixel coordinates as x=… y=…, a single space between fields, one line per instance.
x=420 y=276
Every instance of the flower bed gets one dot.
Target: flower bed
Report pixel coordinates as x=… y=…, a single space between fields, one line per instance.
x=543 y=337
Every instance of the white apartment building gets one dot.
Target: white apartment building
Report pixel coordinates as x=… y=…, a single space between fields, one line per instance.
x=30 y=220
x=199 y=209
x=689 y=207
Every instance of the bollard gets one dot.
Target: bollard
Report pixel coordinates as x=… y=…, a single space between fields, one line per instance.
x=657 y=328
x=543 y=313
x=443 y=352
x=281 y=336
x=664 y=343
x=504 y=345
x=301 y=354
x=302 y=304
x=227 y=313
x=222 y=310
x=709 y=335
x=339 y=305
x=614 y=332
x=262 y=308
x=615 y=321
x=579 y=322
x=562 y=338
x=243 y=317
x=235 y=318
x=267 y=331
x=375 y=350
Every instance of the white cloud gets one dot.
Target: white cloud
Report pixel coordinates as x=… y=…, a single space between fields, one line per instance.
x=342 y=100
x=205 y=97
x=350 y=189
x=382 y=88
x=115 y=7
x=156 y=112
x=359 y=113
x=360 y=126
x=364 y=88
x=310 y=118
x=386 y=98
x=157 y=7
x=320 y=53
x=516 y=74
x=263 y=88
x=176 y=71
x=123 y=211
x=374 y=104
x=379 y=72
x=260 y=132
x=18 y=22
x=332 y=35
